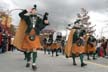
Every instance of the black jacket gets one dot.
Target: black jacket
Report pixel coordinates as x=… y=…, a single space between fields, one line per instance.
x=39 y=23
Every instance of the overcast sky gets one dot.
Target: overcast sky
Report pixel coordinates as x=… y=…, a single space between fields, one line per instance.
x=63 y=12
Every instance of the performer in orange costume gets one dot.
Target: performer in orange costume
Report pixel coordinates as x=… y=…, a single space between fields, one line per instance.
x=27 y=37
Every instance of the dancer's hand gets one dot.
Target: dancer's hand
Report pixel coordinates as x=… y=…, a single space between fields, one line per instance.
x=46 y=21
x=29 y=10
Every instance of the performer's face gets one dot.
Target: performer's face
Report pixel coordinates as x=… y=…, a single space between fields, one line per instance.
x=34 y=11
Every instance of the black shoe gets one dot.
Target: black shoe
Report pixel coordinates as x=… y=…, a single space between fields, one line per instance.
x=34 y=67
x=28 y=65
x=88 y=59
x=57 y=55
x=94 y=58
x=83 y=64
x=74 y=64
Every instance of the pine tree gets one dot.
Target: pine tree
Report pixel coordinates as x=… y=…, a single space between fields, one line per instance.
x=85 y=21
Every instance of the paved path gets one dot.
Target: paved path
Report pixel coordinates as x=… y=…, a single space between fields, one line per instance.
x=14 y=62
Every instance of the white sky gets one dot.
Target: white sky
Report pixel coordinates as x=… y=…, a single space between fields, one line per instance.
x=63 y=12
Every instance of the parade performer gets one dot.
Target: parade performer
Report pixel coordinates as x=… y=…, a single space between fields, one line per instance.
x=91 y=46
x=27 y=37
x=47 y=43
x=56 y=45
x=69 y=44
x=78 y=46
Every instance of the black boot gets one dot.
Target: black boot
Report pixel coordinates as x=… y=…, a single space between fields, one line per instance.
x=57 y=55
x=94 y=58
x=74 y=64
x=83 y=64
x=48 y=51
x=81 y=59
x=52 y=53
x=88 y=57
x=28 y=65
x=28 y=57
x=56 y=52
x=25 y=54
x=73 y=57
x=34 y=67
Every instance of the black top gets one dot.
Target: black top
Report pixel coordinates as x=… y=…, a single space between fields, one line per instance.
x=38 y=26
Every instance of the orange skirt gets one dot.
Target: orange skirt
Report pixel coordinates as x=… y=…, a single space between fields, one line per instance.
x=90 y=49
x=77 y=49
x=55 y=46
x=46 y=46
x=29 y=45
